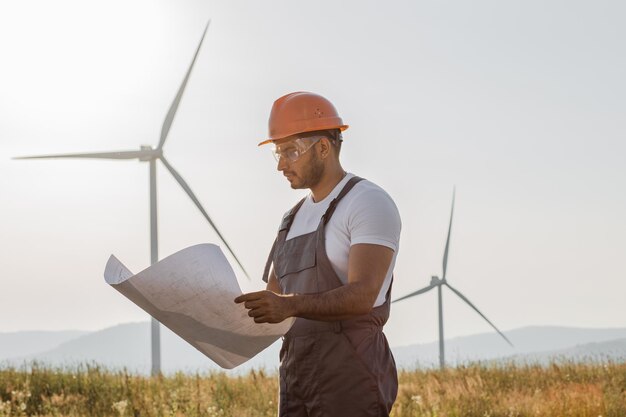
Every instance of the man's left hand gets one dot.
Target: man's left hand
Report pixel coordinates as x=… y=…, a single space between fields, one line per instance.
x=266 y=306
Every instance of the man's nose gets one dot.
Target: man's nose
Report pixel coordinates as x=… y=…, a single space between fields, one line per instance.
x=282 y=163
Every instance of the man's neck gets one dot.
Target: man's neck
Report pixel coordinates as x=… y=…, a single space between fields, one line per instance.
x=329 y=181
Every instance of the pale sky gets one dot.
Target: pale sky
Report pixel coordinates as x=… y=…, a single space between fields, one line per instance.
x=520 y=104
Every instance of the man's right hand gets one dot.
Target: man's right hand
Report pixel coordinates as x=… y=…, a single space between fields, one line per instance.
x=267 y=306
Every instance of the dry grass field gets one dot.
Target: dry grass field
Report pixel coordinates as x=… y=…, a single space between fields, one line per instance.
x=564 y=390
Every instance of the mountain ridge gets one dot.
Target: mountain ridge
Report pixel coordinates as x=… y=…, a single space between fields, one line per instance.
x=126 y=346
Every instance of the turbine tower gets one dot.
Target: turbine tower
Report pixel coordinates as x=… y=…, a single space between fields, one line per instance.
x=436 y=282
x=148 y=154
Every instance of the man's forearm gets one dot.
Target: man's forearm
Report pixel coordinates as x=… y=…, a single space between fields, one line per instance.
x=347 y=301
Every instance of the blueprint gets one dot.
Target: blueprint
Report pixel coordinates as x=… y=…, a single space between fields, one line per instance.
x=191 y=292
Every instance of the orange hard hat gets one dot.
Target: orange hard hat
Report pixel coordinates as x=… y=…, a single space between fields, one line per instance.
x=301 y=112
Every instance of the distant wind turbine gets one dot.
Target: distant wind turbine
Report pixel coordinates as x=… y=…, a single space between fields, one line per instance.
x=147 y=154
x=438 y=283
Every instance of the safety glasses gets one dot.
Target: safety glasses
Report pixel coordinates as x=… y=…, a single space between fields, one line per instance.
x=295 y=148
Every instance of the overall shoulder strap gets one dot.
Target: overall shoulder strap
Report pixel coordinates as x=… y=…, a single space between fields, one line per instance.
x=333 y=204
x=285 y=224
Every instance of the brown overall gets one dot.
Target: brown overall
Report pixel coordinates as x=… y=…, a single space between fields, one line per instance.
x=341 y=368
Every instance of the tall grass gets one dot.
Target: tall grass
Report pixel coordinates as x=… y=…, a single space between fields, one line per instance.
x=568 y=390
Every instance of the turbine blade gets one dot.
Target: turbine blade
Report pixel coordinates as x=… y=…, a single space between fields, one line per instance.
x=478 y=311
x=96 y=155
x=167 y=123
x=195 y=200
x=418 y=292
x=445 y=253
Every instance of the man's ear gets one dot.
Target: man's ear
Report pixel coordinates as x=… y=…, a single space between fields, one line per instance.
x=325 y=147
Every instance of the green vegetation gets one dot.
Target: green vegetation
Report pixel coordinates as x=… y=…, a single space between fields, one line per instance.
x=568 y=390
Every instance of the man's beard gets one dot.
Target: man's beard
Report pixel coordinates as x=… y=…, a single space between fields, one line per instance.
x=311 y=174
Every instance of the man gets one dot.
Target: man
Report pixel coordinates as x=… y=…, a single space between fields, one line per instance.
x=332 y=269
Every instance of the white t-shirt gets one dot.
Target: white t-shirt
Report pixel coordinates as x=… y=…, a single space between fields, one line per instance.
x=367 y=214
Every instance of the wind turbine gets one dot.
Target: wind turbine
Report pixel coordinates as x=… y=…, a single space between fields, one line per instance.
x=148 y=154
x=436 y=282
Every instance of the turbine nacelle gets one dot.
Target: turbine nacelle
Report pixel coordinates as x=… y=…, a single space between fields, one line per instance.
x=149 y=154
x=435 y=280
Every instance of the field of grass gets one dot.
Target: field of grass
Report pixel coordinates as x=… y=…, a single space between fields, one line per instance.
x=564 y=390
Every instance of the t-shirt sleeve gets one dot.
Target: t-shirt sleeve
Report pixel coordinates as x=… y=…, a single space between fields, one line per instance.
x=374 y=218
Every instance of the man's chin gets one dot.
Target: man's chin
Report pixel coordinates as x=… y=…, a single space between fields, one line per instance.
x=294 y=183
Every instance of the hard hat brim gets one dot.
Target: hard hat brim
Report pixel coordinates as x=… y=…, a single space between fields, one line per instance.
x=272 y=140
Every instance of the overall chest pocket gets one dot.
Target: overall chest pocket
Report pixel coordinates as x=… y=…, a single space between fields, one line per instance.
x=295 y=255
